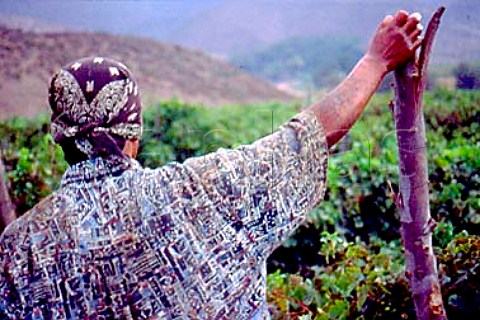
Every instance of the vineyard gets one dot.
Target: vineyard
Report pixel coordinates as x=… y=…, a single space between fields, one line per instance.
x=347 y=261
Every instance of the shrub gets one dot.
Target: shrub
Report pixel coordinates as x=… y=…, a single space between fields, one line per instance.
x=368 y=282
x=467 y=76
x=33 y=161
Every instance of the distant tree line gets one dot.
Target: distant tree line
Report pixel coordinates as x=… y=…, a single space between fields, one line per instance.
x=321 y=62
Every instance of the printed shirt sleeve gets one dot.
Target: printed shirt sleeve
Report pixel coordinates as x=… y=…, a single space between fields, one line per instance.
x=6 y=297
x=267 y=188
x=10 y=306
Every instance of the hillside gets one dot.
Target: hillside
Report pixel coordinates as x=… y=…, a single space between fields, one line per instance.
x=301 y=62
x=28 y=60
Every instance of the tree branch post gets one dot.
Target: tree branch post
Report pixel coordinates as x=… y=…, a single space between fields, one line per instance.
x=413 y=196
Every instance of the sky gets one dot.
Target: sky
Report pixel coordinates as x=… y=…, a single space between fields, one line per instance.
x=154 y=18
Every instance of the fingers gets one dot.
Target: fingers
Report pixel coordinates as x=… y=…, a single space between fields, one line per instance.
x=414 y=35
x=414 y=28
x=401 y=17
x=412 y=22
x=416 y=44
x=416 y=15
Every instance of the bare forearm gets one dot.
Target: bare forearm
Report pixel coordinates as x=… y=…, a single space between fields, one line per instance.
x=393 y=43
x=341 y=108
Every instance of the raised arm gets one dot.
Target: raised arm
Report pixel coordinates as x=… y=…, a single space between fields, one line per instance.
x=393 y=43
x=264 y=190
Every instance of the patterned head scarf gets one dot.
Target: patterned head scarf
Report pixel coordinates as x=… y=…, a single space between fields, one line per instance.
x=95 y=104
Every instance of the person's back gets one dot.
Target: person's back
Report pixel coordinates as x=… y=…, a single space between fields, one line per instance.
x=120 y=241
x=182 y=241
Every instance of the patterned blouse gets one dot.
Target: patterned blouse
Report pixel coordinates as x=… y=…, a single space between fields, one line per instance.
x=184 y=241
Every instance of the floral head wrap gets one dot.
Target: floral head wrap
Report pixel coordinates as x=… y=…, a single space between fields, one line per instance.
x=95 y=102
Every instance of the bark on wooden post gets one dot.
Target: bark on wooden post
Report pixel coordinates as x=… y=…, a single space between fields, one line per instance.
x=413 y=196
x=7 y=210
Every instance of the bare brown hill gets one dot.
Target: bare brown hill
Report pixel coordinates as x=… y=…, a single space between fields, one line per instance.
x=28 y=60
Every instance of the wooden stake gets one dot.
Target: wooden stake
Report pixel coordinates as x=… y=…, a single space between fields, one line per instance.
x=413 y=197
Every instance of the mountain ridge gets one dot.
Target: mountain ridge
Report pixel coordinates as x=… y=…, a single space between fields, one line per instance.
x=231 y=27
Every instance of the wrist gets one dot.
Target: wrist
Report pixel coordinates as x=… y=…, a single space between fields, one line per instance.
x=375 y=64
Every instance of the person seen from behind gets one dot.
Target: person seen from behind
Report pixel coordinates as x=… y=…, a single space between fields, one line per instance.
x=183 y=241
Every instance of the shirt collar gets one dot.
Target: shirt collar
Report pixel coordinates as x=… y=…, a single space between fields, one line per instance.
x=97 y=169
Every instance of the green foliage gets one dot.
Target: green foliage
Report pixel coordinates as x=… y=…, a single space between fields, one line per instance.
x=358 y=204
x=172 y=132
x=175 y=131
x=367 y=282
x=360 y=173
x=343 y=287
x=33 y=161
x=460 y=277
x=304 y=60
x=346 y=263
